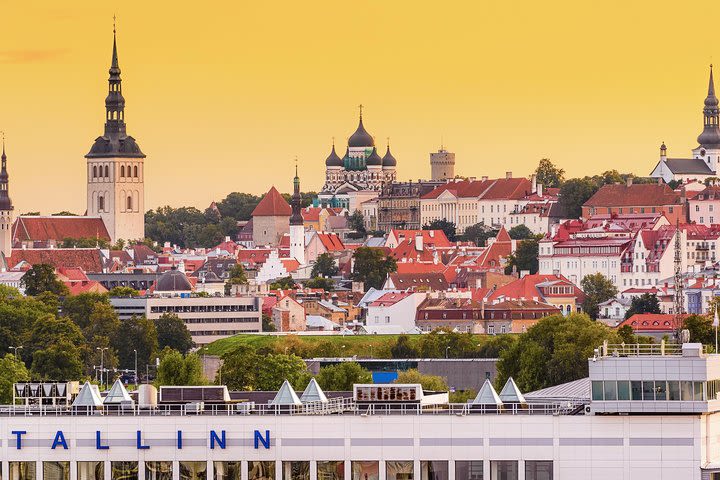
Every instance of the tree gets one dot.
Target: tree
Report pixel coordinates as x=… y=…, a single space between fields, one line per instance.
x=176 y=369
x=12 y=370
x=525 y=257
x=553 y=351
x=324 y=266
x=356 y=221
x=60 y=360
x=520 y=232
x=320 y=282
x=173 y=333
x=18 y=314
x=372 y=267
x=238 y=205
x=627 y=334
x=548 y=174
x=49 y=330
x=284 y=283
x=274 y=369
x=138 y=333
x=41 y=278
x=448 y=227
x=237 y=276
x=79 y=307
x=645 y=303
x=700 y=328
x=597 y=288
x=103 y=322
x=433 y=383
x=573 y=194
x=267 y=323
x=479 y=233
x=342 y=376
x=403 y=348
x=239 y=368
x=123 y=292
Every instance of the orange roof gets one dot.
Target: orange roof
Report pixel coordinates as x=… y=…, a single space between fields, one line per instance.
x=507 y=188
x=272 y=205
x=650 y=321
x=527 y=287
x=418 y=267
x=622 y=195
x=42 y=229
x=290 y=264
x=87 y=286
x=390 y=299
x=503 y=235
x=331 y=241
x=462 y=189
x=87 y=259
x=431 y=238
x=71 y=274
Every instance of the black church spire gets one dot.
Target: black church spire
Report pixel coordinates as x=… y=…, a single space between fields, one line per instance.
x=296 y=201
x=5 y=202
x=710 y=137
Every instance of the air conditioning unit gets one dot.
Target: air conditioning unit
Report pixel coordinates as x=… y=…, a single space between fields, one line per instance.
x=588 y=410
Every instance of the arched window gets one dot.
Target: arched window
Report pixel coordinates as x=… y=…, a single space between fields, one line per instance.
x=129 y=203
x=122 y=171
x=94 y=171
x=135 y=171
x=107 y=171
x=101 y=204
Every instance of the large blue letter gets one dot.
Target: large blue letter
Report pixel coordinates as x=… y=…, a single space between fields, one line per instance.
x=140 y=446
x=179 y=440
x=59 y=440
x=18 y=441
x=259 y=439
x=98 y=444
x=214 y=438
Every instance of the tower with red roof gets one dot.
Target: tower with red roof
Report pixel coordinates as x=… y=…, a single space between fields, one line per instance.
x=271 y=219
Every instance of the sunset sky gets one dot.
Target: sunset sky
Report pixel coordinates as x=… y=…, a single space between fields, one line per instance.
x=222 y=96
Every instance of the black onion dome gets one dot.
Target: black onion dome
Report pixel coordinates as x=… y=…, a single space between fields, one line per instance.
x=374 y=159
x=173 y=281
x=333 y=160
x=388 y=160
x=361 y=138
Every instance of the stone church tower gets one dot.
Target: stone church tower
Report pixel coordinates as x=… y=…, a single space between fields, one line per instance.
x=115 y=169
x=6 y=208
x=297 y=228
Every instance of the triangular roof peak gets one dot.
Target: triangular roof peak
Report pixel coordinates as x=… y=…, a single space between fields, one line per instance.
x=511 y=393
x=89 y=396
x=272 y=205
x=313 y=393
x=117 y=394
x=487 y=395
x=503 y=235
x=286 y=396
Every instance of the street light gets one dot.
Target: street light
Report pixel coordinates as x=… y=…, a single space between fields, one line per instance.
x=15 y=349
x=447 y=349
x=102 y=364
x=135 y=373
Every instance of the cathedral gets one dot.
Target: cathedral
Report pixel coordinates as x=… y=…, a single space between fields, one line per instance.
x=705 y=160
x=361 y=168
x=115 y=168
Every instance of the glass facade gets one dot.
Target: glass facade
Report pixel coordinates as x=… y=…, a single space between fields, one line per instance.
x=296 y=471
x=503 y=470
x=90 y=470
x=22 y=471
x=261 y=470
x=331 y=470
x=538 y=470
x=56 y=470
x=193 y=470
x=229 y=470
x=158 y=471
x=658 y=390
x=365 y=470
x=124 y=471
x=434 y=470
x=470 y=470
x=395 y=470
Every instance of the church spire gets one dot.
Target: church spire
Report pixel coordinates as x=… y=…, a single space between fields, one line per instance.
x=5 y=202
x=114 y=103
x=296 y=201
x=710 y=137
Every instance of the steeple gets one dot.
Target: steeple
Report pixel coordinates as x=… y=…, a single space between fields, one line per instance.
x=5 y=202
x=710 y=137
x=296 y=201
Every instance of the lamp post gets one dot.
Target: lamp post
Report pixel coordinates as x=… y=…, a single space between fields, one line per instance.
x=102 y=364
x=135 y=373
x=447 y=349
x=15 y=349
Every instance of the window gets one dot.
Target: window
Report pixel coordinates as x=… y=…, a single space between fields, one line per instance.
x=433 y=470
x=259 y=470
x=193 y=470
x=503 y=470
x=399 y=470
x=469 y=470
x=107 y=171
x=135 y=171
x=90 y=470
x=122 y=171
x=491 y=329
x=94 y=171
x=296 y=471
x=129 y=203
x=330 y=470
x=231 y=470
x=123 y=470
x=56 y=470
x=101 y=204
x=158 y=471
x=22 y=470
x=538 y=470
x=365 y=470
x=597 y=390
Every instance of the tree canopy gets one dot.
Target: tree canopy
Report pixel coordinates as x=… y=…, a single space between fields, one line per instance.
x=41 y=278
x=324 y=266
x=432 y=383
x=342 y=376
x=525 y=257
x=520 y=232
x=372 y=267
x=173 y=333
x=645 y=303
x=574 y=193
x=597 y=288
x=548 y=174
x=178 y=369
x=448 y=227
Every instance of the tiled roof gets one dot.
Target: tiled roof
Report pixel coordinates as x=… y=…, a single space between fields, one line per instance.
x=528 y=287
x=331 y=242
x=623 y=195
x=390 y=299
x=688 y=165
x=272 y=205
x=507 y=189
x=87 y=259
x=431 y=238
x=650 y=322
x=419 y=281
x=42 y=229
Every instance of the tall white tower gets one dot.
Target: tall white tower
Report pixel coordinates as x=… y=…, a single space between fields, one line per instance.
x=115 y=169
x=6 y=208
x=442 y=165
x=297 y=228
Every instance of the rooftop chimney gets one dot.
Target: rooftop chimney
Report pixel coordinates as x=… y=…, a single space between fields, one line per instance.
x=508 y=174
x=629 y=181
x=484 y=178
x=533 y=183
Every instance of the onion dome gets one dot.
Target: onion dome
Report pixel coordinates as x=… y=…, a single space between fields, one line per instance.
x=173 y=281
x=361 y=138
x=333 y=160
x=388 y=160
x=374 y=159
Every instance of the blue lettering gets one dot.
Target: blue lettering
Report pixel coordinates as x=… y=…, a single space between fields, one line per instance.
x=179 y=440
x=18 y=438
x=140 y=446
x=214 y=438
x=259 y=439
x=98 y=443
x=59 y=440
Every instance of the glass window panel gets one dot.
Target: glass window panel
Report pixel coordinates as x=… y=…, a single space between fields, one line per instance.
x=610 y=389
x=597 y=390
x=365 y=470
x=503 y=470
x=698 y=397
x=261 y=470
x=229 y=470
x=296 y=471
x=399 y=470
x=330 y=470
x=660 y=391
x=623 y=390
x=686 y=390
x=193 y=470
x=56 y=470
x=90 y=470
x=434 y=470
x=648 y=390
x=673 y=391
x=636 y=390
x=538 y=470
x=158 y=471
x=124 y=470
x=469 y=470
x=22 y=470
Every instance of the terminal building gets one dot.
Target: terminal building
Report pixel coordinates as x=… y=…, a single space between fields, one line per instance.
x=644 y=412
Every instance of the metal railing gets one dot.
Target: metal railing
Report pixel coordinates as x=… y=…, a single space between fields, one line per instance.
x=639 y=349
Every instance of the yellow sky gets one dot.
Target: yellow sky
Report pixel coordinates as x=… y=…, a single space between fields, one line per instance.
x=221 y=96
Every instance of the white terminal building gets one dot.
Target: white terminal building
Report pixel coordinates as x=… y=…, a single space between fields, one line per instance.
x=645 y=412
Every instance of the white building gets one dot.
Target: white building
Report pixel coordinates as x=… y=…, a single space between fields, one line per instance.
x=394 y=308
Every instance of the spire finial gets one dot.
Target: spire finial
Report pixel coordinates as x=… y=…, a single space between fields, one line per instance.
x=296 y=166
x=3 y=142
x=361 y=107
x=333 y=143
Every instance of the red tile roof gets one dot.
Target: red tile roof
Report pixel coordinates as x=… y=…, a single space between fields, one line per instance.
x=272 y=205
x=312 y=214
x=660 y=322
x=623 y=195
x=527 y=287
x=502 y=235
x=507 y=189
x=417 y=267
x=462 y=189
x=390 y=299
x=87 y=259
x=434 y=281
x=431 y=238
x=42 y=229
x=331 y=242
x=87 y=286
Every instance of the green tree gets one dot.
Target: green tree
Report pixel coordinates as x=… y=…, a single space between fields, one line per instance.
x=448 y=227
x=319 y=282
x=41 y=278
x=240 y=368
x=627 y=334
x=342 y=376
x=324 y=266
x=700 y=328
x=284 y=283
x=18 y=314
x=103 y=322
x=138 y=333
x=645 y=303
x=356 y=222
x=12 y=370
x=573 y=194
x=496 y=345
x=598 y=289
x=173 y=333
x=433 y=383
x=548 y=174
x=176 y=369
x=238 y=205
x=237 y=276
x=553 y=351
x=274 y=369
x=520 y=232
x=49 y=330
x=479 y=233
x=79 y=307
x=403 y=348
x=123 y=292
x=267 y=323
x=372 y=266
x=60 y=360
x=525 y=257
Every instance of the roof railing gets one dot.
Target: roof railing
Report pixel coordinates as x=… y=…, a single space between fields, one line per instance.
x=662 y=349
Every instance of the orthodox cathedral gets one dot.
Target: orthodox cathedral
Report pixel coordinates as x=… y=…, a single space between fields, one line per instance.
x=705 y=160
x=360 y=169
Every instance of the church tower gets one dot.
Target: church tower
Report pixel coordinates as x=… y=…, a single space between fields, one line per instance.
x=115 y=168
x=709 y=139
x=297 y=229
x=6 y=208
